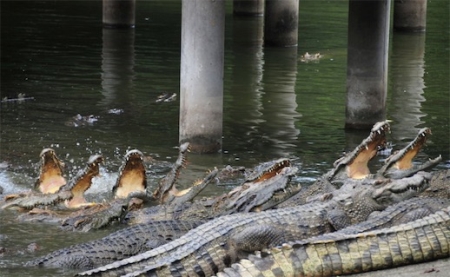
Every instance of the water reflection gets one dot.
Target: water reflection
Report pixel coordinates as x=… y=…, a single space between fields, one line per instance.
x=245 y=93
x=407 y=84
x=280 y=101
x=117 y=66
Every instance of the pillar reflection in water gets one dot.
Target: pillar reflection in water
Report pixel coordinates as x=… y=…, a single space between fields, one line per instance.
x=117 y=67
x=407 y=84
x=245 y=93
x=279 y=102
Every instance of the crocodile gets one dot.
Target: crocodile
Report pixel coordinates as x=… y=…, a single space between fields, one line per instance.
x=114 y=211
x=354 y=164
x=206 y=250
x=131 y=191
x=131 y=183
x=71 y=194
x=51 y=175
x=118 y=245
x=156 y=233
x=422 y=240
x=399 y=164
x=256 y=193
x=132 y=175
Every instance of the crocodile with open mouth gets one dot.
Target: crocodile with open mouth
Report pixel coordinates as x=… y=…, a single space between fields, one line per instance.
x=154 y=233
x=256 y=193
x=400 y=165
x=397 y=166
x=130 y=182
x=51 y=177
x=71 y=194
x=206 y=249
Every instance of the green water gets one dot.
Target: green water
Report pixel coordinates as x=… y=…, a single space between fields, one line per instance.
x=274 y=104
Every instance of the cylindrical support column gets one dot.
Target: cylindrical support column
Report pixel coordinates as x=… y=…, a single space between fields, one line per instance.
x=201 y=76
x=281 y=23
x=248 y=7
x=367 y=60
x=119 y=13
x=410 y=15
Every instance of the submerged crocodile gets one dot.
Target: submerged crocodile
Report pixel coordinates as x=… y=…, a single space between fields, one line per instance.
x=71 y=194
x=422 y=240
x=207 y=249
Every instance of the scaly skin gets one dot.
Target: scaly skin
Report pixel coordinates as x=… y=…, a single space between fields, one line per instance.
x=116 y=246
x=397 y=166
x=206 y=249
x=167 y=192
x=255 y=195
x=423 y=240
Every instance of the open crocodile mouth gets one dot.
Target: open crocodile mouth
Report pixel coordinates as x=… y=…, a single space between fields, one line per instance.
x=132 y=176
x=267 y=171
x=84 y=181
x=403 y=159
x=356 y=162
x=51 y=172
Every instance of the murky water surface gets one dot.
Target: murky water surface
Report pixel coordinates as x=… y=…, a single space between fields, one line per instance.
x=58 y=58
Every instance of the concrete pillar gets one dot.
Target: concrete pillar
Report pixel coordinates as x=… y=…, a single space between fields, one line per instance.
x=281 y=23
x=119 y=13
x=201 y=76
x=406 y=82
x=410 y=15
x=248 y=7
x=367 y=60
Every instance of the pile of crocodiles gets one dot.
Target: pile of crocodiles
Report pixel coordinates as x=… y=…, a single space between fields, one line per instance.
x=348 y=221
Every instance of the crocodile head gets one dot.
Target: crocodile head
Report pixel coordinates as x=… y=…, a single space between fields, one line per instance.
x=267 y=170
x=51 y=172
x=166 y=189
x=400 y=165
x=132 y=176
x=263 y=188
x=355 y=164
x=82 y=182
x=391 y=191
x=359 y=199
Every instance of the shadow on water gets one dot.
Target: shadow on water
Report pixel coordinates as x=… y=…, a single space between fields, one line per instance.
x=274 y=104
